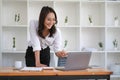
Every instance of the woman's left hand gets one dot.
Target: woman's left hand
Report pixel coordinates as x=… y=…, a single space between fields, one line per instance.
x=62 y=53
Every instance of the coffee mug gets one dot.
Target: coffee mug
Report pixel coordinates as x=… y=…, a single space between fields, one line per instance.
x=18 y=64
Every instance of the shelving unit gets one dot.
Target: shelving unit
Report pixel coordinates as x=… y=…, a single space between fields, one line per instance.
x=78 y=31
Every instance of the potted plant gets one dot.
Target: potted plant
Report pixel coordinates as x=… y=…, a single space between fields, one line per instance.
x=14 y=46
x=17 y=18
x=100 y=45
x=66 y=20
x=65 y=44
x=90 y=20
x=115 y=44
x=116 y=21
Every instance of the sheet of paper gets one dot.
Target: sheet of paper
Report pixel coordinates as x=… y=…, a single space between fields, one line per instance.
x=48 y=68
x=32 y=69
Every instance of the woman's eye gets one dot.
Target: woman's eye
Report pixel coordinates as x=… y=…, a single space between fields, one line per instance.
x=51 y=19
x=48 y=19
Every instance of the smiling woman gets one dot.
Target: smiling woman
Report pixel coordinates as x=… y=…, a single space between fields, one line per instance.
x=43 y=33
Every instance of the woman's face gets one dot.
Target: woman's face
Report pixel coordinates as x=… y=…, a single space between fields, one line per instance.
x=49 y=20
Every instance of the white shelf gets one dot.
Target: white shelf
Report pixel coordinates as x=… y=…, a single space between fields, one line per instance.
x=14 y=52
x=69 y=26
x=118 y=51
x=93 y=26
x=98 y=52
x=14 y=26
x=113 y=26
x=93 y=0
x=113 y=1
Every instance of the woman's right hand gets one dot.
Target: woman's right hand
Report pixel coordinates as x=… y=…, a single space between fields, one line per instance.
x=61 y=53
x=37 y=60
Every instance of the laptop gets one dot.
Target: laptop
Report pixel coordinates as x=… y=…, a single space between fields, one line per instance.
x=76 y=61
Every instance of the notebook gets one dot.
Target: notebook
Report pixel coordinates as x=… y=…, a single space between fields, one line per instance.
x=31 y=69
x=76 y=61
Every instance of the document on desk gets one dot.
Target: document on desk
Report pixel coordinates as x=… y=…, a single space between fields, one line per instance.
x=32 y=69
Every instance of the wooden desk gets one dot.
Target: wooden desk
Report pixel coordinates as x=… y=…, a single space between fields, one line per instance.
x=11 y=74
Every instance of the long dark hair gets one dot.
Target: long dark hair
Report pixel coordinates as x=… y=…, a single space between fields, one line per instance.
x=44 y=12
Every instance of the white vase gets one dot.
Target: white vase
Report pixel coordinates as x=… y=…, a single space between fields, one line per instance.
x=91 y=24
x=14 y=49
x=65 y=24
x=116 y=22
x=115 y=48
x=101 y=49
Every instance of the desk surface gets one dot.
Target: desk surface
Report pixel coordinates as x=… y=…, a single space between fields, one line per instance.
x=8 y=71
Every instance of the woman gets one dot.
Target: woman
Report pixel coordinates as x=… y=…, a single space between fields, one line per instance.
x=43 y=33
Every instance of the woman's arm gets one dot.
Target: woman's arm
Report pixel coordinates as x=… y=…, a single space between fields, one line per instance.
x=35 y=42
x=57 y=45
x=37 y=59
x=34 y=38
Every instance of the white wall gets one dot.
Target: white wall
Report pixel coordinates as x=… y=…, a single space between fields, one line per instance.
x=0 y=35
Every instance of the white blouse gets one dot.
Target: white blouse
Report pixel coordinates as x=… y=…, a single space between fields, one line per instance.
x=39 y=43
